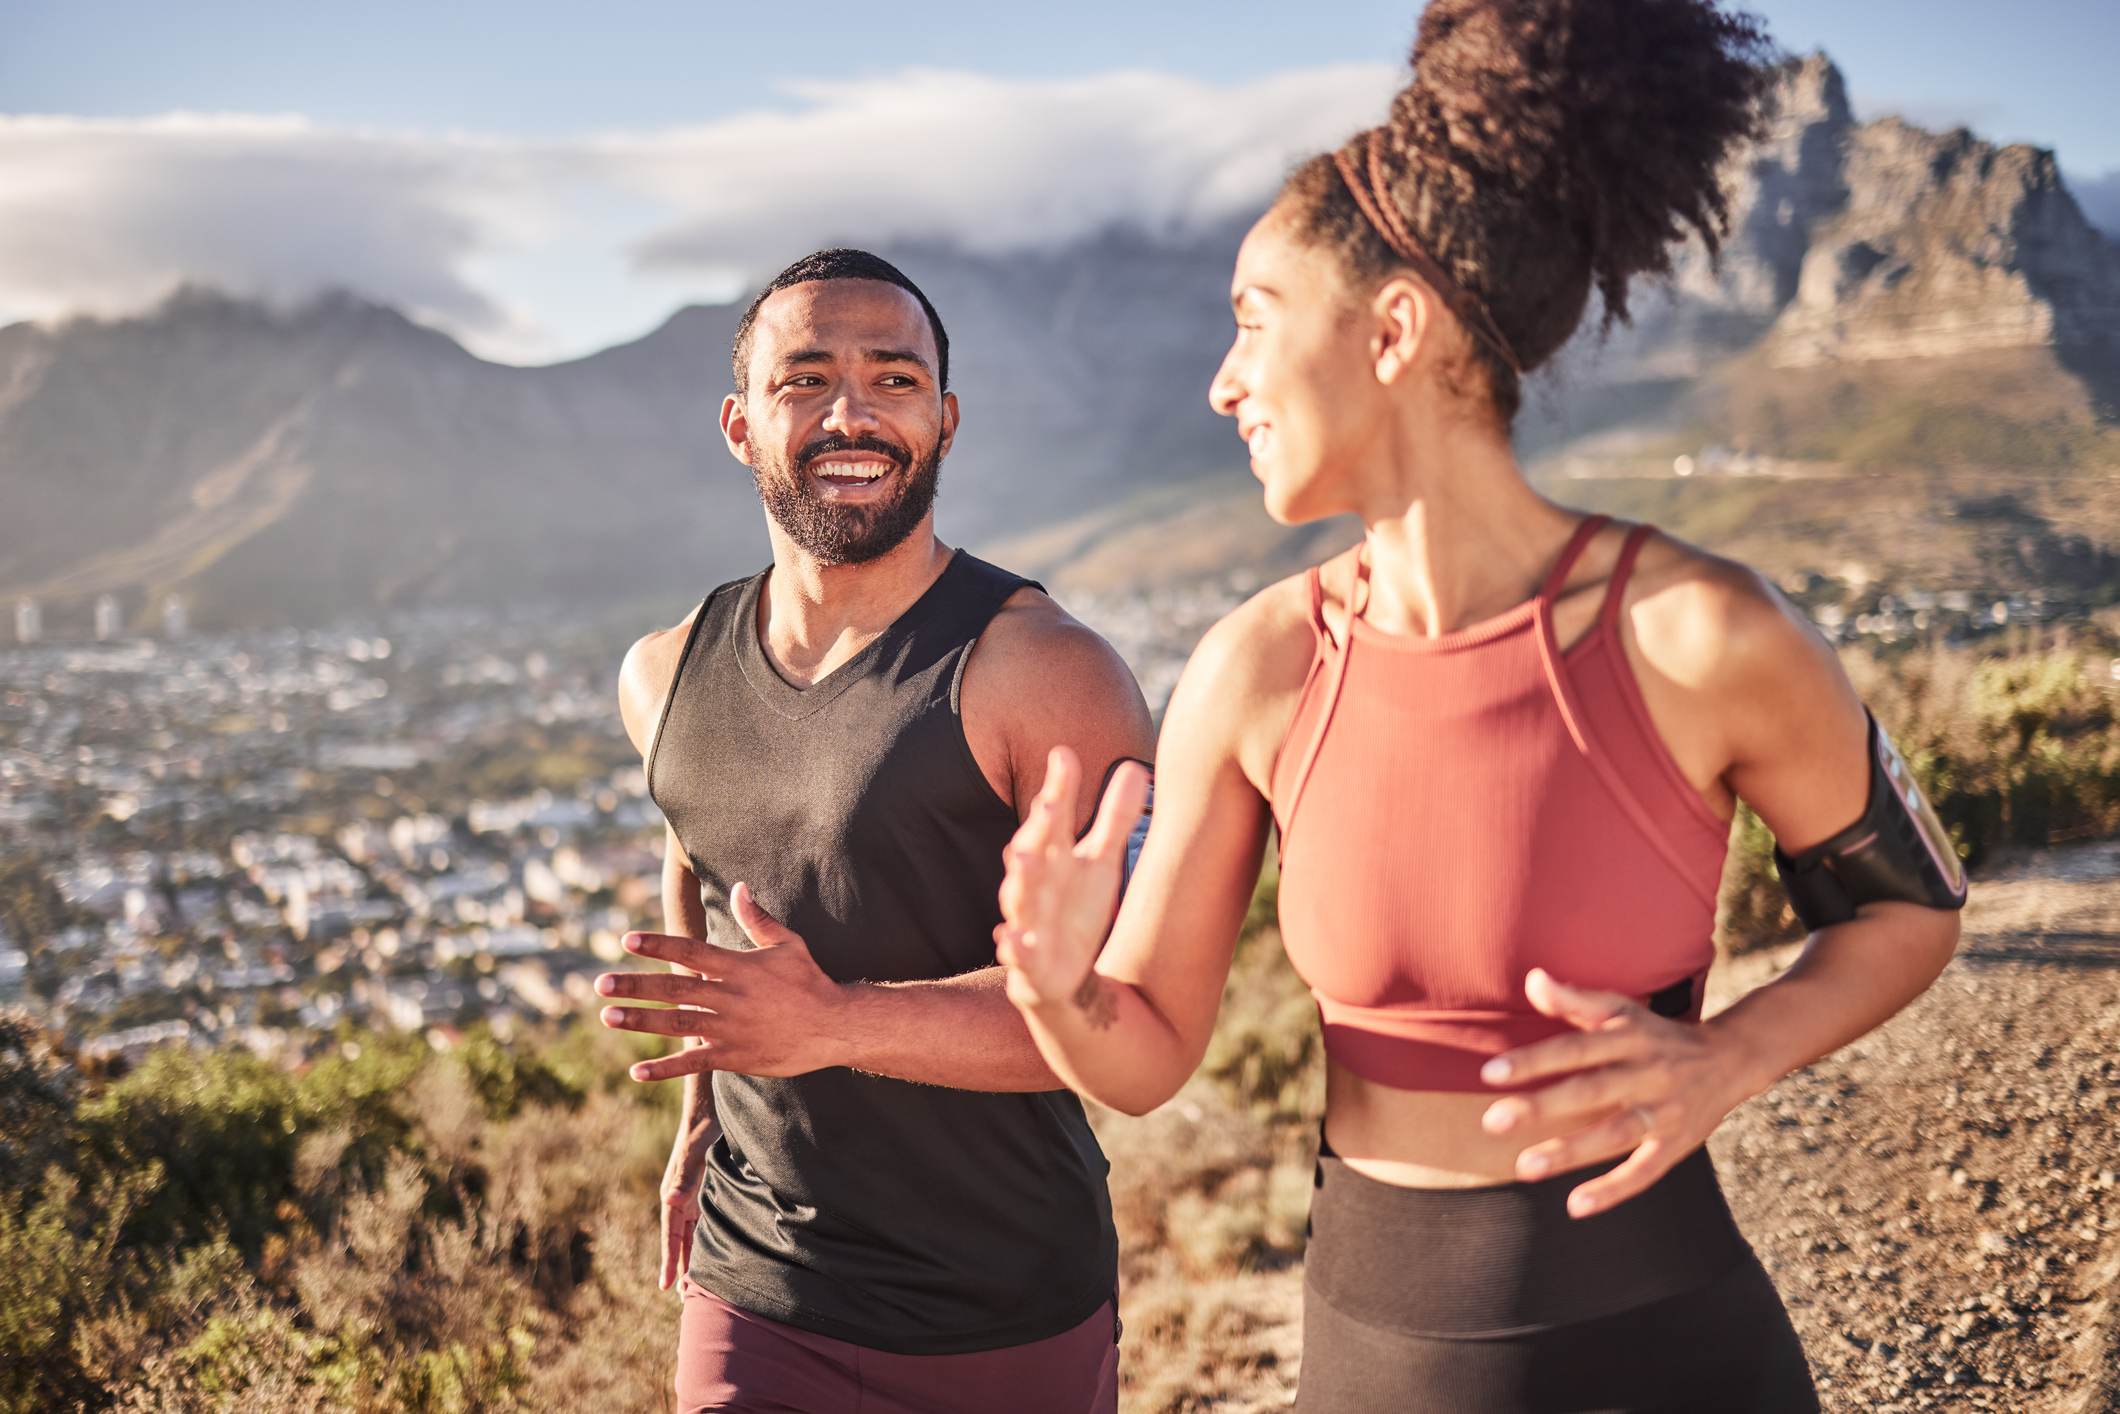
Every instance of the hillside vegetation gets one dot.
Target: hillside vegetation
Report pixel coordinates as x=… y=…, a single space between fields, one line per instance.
x=395 y=1229
x=401 y=1228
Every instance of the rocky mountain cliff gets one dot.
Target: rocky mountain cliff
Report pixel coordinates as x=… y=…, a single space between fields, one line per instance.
x=1856 y=242
x=1948 y=245
x=294 y=465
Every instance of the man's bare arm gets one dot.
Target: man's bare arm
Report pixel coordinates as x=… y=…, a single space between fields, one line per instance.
x=697 y=1126
x=772 y=1011
x=685 y=917
x=1037 y=678
x=643 y=683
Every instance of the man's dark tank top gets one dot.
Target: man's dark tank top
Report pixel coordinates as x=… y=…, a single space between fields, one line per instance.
x=901 y=1217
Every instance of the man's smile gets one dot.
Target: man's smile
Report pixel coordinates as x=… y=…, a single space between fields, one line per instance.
x=851 y=469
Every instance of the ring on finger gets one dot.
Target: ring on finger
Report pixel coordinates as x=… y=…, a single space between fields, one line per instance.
x=1642 y=1113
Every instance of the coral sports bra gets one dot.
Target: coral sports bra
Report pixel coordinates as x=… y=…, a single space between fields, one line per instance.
x=1456 y=811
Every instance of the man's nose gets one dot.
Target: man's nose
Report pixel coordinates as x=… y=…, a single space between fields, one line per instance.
x=851 y=416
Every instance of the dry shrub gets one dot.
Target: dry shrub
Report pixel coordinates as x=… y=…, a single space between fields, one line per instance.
x=419 y=1235
x=1211 y=1195
x=1228 y=1344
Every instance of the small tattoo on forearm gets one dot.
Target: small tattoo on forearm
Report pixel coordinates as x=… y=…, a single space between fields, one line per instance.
x=1095 y=1001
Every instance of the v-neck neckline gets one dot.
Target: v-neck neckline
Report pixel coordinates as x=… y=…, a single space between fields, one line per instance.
x=794 y=702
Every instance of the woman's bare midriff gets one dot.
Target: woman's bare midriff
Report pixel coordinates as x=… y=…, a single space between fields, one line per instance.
x=1420 y=1138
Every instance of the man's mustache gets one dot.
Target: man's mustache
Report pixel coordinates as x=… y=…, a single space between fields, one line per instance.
x=827 y=446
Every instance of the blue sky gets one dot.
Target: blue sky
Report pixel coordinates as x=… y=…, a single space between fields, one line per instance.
x=544 y=159
x=2046 y=71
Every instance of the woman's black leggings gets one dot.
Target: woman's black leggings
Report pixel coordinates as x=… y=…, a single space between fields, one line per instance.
x=1495 y=1301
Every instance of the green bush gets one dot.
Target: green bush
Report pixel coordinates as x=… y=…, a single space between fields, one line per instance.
x=395 y=1230
x=220 y=1127
x=506 y=1080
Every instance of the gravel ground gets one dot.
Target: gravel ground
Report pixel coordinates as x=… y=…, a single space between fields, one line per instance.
x=1938 y=1203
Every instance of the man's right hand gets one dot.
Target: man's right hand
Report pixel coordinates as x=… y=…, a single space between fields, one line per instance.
x=680 y=1198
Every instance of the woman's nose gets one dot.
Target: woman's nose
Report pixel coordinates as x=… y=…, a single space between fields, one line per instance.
x=1226 y=391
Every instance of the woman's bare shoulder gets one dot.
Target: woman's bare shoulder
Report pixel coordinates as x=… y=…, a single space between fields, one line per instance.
x=1264 y=642
x=1239 y=690
x=1716 y=622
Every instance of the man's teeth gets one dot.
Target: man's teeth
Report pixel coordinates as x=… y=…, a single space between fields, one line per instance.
x=1258 y=439
x=861 y=471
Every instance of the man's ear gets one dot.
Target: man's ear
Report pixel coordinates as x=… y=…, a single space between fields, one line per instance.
x=949 y=423
x=1402 y=310
x=736 y=428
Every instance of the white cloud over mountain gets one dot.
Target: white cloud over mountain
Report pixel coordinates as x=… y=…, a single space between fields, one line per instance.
x=992 y=163
x=105 y=216
x=482 y=236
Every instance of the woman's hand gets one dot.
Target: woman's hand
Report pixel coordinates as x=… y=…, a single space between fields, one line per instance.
x=1059 y=895
x=1637 y=1084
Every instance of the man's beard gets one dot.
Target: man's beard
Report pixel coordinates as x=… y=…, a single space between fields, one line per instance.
x=838 y=534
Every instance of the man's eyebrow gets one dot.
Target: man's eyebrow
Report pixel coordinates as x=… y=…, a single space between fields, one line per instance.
x=804 y=356
x=896 y=356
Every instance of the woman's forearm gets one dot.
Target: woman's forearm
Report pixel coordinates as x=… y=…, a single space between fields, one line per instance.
x=1849 y=980
x=1108 y=1043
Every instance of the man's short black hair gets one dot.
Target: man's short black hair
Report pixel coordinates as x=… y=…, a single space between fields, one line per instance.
x=838 y=264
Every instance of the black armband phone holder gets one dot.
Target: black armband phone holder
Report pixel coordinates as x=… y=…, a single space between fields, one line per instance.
x=1138 y=835
x=1898 y=851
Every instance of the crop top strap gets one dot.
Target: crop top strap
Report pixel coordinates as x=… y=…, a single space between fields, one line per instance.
x=1316 y=582
x=1570 y=553
x=1330 y=664
x=1357 y=602
x=1622 y=571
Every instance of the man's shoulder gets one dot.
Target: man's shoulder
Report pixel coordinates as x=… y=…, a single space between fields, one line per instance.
x=1050 y=675
x=644 y=678
x=1031 y=625
x=651 y=665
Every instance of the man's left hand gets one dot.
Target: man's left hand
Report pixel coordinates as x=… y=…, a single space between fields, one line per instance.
x=768 y=1011
x=1636 y=1083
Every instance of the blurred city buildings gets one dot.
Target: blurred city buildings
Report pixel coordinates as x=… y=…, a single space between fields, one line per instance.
x=268 y=837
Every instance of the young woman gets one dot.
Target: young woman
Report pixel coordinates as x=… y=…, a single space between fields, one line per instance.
x=1501 y=743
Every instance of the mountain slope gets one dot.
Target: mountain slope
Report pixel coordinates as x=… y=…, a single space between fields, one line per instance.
x=332 y=459
x=339 y=458
x=1890 y=303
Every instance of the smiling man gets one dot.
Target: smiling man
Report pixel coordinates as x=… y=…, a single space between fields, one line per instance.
x=884 y=1200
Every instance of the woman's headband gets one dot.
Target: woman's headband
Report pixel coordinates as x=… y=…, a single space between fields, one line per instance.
x=1374 y=197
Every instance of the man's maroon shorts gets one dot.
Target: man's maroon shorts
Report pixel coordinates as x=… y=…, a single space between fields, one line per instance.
x=731 y=1360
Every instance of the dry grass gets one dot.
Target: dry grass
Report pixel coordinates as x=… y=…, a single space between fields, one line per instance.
x=431 y=1251
x=1211 y=1194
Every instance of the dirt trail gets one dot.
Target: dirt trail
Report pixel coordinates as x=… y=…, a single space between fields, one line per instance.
x=1938 y=1203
